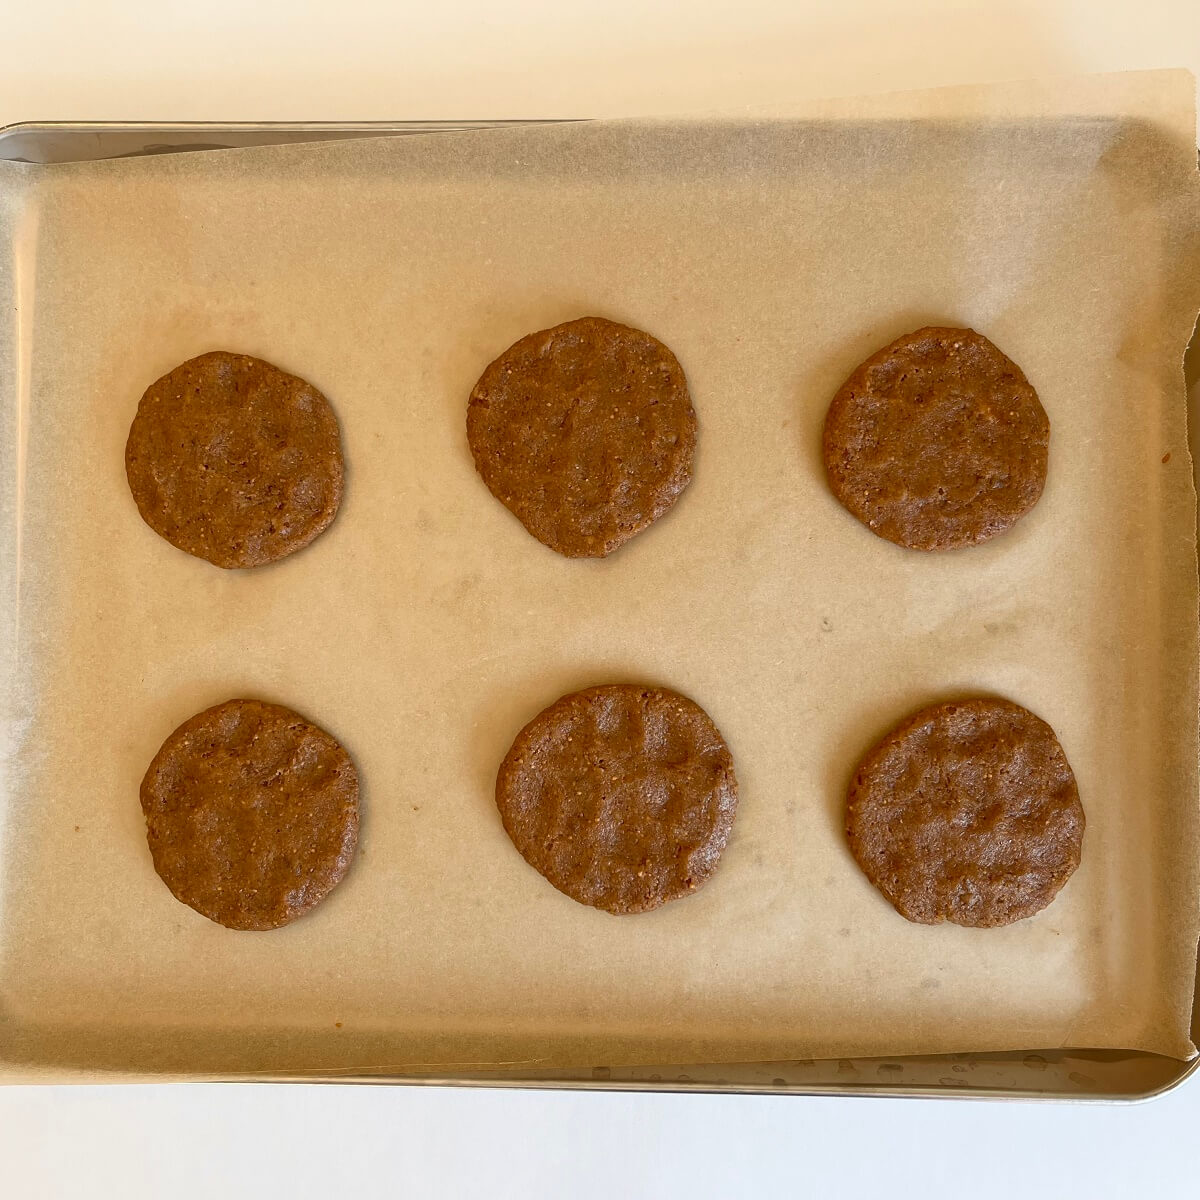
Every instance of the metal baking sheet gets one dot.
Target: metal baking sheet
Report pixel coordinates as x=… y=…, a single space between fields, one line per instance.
x=1057 y=1073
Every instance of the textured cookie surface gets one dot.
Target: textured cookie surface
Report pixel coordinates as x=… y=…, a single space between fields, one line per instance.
x=938 y=441
x=234 y=460
x=621 y=796
x=967 y=812
x=251 y=814
x=585 y=432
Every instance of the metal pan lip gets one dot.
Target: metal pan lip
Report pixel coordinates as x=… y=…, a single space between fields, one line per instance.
x=291 y=131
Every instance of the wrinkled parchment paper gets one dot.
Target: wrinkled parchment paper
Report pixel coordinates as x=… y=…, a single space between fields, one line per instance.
x=426 y=627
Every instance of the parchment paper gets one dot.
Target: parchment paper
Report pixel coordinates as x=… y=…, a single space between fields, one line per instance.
x=426 y=626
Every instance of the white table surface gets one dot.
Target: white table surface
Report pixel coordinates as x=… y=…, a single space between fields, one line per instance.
x=354 y=59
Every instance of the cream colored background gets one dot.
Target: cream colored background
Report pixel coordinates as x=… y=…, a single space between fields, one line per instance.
x=358 y=59
x=259 y=59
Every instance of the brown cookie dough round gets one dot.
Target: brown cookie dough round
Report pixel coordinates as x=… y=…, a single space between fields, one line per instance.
x=234 y=460
x=251 y=814
x=938 y=441
x=585 y=432
x=967 y=812
x=621 y=796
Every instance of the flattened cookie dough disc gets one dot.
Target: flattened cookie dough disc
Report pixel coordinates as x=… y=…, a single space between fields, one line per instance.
x=234 y=460
x=967 y=812
x=251 y=814
x=585 y=432
x=938 y=441
x=621 y=796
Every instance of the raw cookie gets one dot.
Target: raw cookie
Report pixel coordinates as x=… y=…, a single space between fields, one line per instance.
x=234 y=460
x=251 y=814
x=585 y=432
x=967 y=812
x=621 y=796
x=937 y=441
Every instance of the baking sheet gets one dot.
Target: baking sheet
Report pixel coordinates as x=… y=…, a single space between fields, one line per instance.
x=426 y=627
